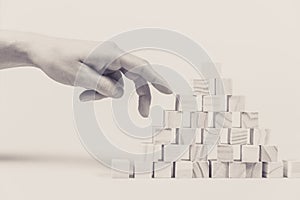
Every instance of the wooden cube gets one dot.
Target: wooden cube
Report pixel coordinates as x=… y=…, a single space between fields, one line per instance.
x=212 y=152
x=237 y=170
x=152 y=152
x=198 y=152
x=203 y=87
x=183 y=169
x=237 y=152
x=162 y=169
x=201 y=169
x=211 y=136
x=236 y=120
x=225 y=153
x=236 y=103
x=238 y=136
x=250 y=153
x=272 y=169
x=254 y=170
x=199 y=120
x=188 y=103
x=223 y=86
x=143 y=169
x=219 y=169
x=172 y=119
x=175 y=152
x=249 y=119
x=186 y=136
x=215 y=103
x=162 y=135
x=222 y=119
x=291 y=168
x=260 y=136
x=268 y=153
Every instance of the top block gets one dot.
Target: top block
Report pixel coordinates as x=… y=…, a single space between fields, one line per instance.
x=188 y=103
x=203 y=87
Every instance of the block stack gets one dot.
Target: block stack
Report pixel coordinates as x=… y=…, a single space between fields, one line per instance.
x=209 y=134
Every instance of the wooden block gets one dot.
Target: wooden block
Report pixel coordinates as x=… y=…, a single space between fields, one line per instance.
x=198 y=139
x=172 y=119
x=238 y=136
x=203 y=87
x=199 y=120
x=237 y=170
x=224 y=132
x=212 y=152
x=225 y=153
x=254 y=170
x=219 y=169
x=223 y=86
x=268 y=153
x=186 y=119
x=250 y=153
x=162 y=169
x=249 y=119
x=260 y=136
x=272 y=169
x=174 y=152
x=198 y=152
x=291 y=168
x=162 y=135
x=215 y=103
x=211 y=136
x=120 y=168
x=201 y=169
x=222 y=119
x=152 y=152
x=183 y=169
x=188 y=103
x=143 y=169
x=237 y=152
x=186 y=136
x=236 y=103
x=236 y=119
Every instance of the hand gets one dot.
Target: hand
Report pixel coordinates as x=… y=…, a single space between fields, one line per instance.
x=101 y=72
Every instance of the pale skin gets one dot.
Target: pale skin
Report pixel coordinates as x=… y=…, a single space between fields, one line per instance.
x=70 y=62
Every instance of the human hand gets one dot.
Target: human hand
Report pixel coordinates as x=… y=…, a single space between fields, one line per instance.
x=101 y=72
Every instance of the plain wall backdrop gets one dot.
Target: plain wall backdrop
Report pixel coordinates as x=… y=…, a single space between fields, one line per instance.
x=257 y=43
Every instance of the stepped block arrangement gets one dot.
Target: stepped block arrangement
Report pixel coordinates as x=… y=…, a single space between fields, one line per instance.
x=209 y=134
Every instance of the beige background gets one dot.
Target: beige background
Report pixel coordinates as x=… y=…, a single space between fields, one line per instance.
x=257 y=42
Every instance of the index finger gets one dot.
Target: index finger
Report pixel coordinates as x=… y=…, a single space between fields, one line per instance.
x=143 y=69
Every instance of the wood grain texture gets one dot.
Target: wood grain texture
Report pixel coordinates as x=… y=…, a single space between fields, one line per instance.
x=225 y=153
x=203 y=87
x=237 y=170
x=249 y=119
x=260 y=136
x=172 y=119
x=236 y=103
x=188 y=103
x=254 y=170
x=268 y=153
x=250 y=153
x=201 y=169
x=198 y=152
x=215 y=103
x=162 y=169
x=219 y=169
x=175 y=152
x=291 y=168
x=183 y=169
x=238 y=136
x=223 y=86
x=143 y=170
x=199 y=120
x=273 y=169
x=222 y=120
x=186 y=136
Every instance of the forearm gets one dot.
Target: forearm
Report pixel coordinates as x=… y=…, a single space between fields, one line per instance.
x=14 y=49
